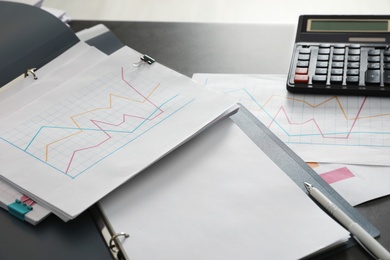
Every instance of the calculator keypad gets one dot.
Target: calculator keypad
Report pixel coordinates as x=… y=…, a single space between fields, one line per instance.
x=351 y=69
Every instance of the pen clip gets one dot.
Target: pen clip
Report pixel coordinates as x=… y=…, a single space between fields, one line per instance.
x=364 y=247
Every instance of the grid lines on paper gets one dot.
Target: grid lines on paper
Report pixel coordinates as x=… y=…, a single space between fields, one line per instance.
x=93 y=123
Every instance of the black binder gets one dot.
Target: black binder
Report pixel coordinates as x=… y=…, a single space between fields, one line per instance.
x=30 y=38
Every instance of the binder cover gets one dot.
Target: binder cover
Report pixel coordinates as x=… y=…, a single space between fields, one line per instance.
x=31 y=41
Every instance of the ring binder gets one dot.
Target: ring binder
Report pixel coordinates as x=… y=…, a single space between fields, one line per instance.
x=31 y=71
x=112 y=244
x=144 y=59
x=109 y=234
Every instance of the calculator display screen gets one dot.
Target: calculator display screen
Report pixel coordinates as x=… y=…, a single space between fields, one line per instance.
x=347 y=25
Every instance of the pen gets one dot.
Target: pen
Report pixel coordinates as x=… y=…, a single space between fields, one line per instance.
x=356 y=230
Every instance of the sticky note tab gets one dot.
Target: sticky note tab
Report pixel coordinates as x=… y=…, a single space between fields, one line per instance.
x=313 y=164
x=337 y=175
x=19 y=209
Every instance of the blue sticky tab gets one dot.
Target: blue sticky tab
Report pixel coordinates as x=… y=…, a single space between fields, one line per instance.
x=19 y=209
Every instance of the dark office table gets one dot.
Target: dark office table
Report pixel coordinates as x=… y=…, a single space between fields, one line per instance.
x=187 y=48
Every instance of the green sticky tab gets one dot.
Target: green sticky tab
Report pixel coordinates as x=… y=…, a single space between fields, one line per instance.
x=19 y=209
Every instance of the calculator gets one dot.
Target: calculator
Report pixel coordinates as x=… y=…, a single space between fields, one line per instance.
x=341 y=55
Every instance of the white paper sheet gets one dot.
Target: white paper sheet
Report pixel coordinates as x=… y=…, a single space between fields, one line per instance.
x=356 y=183
x=218 y=197
x=74 y=144
x=331 y=129
x=69 y=64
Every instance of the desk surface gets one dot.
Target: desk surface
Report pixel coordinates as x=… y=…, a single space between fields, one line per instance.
x=187 y=48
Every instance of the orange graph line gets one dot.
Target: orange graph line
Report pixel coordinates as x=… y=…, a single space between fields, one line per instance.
x=73 y=118
x=324 y=102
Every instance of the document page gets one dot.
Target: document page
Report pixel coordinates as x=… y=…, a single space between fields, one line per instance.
x=319 y=128
x=218 y=197
x=74 y=144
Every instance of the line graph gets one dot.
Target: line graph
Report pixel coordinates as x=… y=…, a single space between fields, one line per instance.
x=338 y=121
x=100 y=119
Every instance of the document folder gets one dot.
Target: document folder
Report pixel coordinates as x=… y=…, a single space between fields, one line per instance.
x=277 y=151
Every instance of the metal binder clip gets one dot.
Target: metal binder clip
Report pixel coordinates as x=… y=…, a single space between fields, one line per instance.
x=144 y=59
x=112 y=240
x=31 y=71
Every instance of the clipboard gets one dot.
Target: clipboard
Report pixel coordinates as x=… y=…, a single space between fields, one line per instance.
x=281 y=155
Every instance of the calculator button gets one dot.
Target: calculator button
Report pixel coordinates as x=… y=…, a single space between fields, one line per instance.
x=373 y=58
x=323 y=57
x=373 y=66
x=353 y=65
x=298 y=78
x=304 y=51
x=354 y=51
x=354 y=46
x=338 y=58
x=386 y=77
x=339 y=45
x=373 y=77
x=352 y=79
x=324 y=51
x=386 y=66
x=301 y=70
x=339 y=51
x=324 y=45
x=304 y=57
x=336 y=71
x=374 y=52
x=354 y=58
x=386 y=59
x=353 y=72
x=322 y=64
x=386 y=52
x=302 y=63
x=337 y=64
x=321 y=71
x=319 y=78
x=336 y=79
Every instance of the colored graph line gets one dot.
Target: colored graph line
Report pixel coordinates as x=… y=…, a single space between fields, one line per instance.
x=316 y=124
x=98 y=126
x=347 y=133
x=111 y=104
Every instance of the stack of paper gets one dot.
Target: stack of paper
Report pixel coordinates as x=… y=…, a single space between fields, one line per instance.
x=81 y=130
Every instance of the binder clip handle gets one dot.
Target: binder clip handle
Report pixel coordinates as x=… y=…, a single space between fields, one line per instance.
x=32 y=72
x=144 y=59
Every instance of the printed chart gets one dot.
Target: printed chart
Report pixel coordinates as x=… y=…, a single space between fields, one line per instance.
x=332 y=123
x=92 y=124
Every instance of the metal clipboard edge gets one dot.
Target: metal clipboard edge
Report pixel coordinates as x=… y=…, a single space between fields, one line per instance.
x=293 y=165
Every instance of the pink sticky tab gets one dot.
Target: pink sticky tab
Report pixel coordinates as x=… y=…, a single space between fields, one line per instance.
x=337 y=175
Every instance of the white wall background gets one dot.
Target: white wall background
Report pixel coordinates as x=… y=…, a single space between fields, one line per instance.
x=221 y=11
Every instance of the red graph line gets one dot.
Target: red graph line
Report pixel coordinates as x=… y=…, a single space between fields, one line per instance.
x=124 y=116
x=147 y=99
x=281 y=109
x=87 y=148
